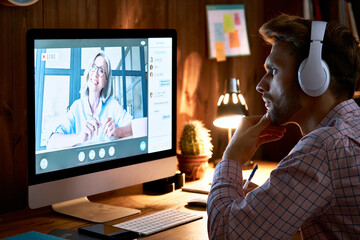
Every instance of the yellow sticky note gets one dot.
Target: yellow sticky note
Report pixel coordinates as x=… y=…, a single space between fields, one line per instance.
x=220 y=51
x=234 y=39
x=228 y=23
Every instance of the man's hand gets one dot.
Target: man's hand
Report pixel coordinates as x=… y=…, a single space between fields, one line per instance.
x=250 y=187
x=251 y=133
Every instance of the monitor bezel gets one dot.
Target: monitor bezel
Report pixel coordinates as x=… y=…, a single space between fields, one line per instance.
x=42 y=34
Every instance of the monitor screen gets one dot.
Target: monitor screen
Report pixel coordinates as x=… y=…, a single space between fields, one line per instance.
x=99 y=100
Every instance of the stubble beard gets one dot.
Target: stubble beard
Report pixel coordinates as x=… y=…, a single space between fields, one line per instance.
x=288 y=104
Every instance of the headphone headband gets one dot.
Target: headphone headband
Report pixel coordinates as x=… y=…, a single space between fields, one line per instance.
x=317 y=30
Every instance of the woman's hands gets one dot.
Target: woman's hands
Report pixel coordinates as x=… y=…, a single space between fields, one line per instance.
x=110 y=129
x=91 y=128
x=251 y=133
x=93 y=125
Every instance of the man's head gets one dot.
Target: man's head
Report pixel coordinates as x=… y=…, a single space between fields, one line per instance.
x=290 y=40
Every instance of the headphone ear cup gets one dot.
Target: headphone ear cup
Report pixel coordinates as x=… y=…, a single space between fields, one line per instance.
x=301 y=68
x=313 y=72
x=308 y=81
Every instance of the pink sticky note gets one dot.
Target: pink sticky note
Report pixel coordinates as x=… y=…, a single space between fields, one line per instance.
x=237 y=19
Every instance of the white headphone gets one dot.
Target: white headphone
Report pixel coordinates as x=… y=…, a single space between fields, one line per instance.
x=313 y=73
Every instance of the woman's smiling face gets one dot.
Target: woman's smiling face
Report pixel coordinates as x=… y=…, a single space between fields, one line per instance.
x=97 y=75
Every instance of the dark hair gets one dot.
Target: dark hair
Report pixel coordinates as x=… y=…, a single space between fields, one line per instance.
x=340 y=51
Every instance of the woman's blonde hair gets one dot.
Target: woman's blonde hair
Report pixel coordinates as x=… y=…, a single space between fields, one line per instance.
x=107 y=91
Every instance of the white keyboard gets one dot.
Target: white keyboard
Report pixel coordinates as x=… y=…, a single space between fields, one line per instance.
x=158 y=221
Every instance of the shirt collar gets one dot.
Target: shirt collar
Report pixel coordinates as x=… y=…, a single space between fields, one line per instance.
x=339 y=110
x=85 y=100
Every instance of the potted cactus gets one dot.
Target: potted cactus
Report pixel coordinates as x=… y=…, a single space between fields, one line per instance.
x=195 y=150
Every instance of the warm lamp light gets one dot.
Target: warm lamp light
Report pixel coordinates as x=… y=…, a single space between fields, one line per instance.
x=231 y=106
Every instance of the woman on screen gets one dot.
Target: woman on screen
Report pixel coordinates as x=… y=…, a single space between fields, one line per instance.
x=96 y=116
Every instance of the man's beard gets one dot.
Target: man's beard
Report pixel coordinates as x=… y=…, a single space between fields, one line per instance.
x=289 y=104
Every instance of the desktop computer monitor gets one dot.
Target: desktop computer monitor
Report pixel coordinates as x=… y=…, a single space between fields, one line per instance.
x=101 y=112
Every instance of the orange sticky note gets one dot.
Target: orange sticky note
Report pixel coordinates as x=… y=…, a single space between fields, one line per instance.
x=220 y=51
x=234 y=39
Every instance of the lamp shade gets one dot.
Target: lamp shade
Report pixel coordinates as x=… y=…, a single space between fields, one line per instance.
x=231 y=106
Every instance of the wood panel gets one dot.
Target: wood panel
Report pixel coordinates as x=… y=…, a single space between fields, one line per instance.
x=6 y=159
x=18 y=68
x=200 y=80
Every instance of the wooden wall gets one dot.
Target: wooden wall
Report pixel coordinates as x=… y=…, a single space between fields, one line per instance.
x=199 y=80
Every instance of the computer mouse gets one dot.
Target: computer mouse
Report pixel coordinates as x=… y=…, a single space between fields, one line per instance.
x=198 y=201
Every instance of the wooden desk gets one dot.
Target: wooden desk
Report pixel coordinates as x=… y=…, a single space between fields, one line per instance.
x=45 y=220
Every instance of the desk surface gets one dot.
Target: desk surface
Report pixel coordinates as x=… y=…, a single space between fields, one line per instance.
x=45 y=220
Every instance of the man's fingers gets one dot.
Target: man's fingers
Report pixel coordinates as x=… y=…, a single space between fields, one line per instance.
x=262 y=124
x=273 y=130
x=269 y=138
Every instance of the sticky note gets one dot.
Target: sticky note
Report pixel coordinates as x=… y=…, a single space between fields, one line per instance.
x=228 y=23
x=220 y=51
x=237 y=19
x=219 y=32
x=234 y=39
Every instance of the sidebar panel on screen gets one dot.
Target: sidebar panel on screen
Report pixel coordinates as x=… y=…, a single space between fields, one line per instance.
x=160 y=80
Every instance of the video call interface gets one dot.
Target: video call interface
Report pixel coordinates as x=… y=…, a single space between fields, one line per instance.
x=139 y=97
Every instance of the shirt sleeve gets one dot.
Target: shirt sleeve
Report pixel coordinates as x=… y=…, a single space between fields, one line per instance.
x=124 y=118
x=299 y=188
x=120 y=115
x=67 y=124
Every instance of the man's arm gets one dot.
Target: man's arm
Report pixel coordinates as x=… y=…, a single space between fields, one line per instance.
x=276 y=209
x=300 y=187
x=251 y=133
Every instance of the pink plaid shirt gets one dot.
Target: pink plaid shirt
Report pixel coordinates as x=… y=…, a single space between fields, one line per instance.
x=316 y=187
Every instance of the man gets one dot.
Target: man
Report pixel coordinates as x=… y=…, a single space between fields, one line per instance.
x=316 y=187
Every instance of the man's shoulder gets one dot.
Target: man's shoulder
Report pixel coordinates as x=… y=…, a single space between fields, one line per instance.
x=343 y=121
x=333 y=135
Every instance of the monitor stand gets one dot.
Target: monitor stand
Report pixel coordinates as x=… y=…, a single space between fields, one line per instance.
x=94 y=212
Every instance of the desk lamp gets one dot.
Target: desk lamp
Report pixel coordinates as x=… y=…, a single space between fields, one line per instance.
x=231 y=107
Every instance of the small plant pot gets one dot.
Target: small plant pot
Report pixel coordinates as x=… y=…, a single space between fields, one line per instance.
x=194 y=166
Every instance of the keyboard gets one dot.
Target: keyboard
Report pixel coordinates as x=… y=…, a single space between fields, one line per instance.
x=157 y=222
